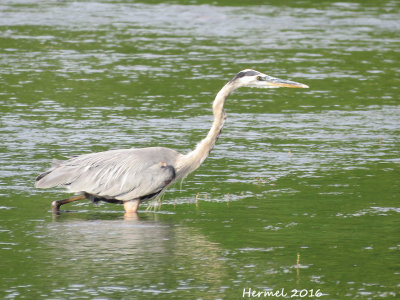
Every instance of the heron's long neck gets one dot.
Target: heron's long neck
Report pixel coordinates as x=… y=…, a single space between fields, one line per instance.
x=195 y=158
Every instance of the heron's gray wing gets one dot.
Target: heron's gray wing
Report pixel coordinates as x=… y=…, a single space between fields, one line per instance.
x=118 y=174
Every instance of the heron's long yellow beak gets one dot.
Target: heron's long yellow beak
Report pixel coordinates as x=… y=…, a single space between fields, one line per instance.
x=277 y=82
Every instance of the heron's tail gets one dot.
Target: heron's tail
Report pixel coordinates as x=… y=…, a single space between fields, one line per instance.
x=46 y=182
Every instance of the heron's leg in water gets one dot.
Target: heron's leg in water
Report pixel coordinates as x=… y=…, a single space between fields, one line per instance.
x=55 y=205
x=131 y=206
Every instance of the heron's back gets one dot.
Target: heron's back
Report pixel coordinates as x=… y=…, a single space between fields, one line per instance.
x=118 y=174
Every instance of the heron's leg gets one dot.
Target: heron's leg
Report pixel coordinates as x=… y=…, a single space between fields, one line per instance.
x=131 y=206
x=55 y=205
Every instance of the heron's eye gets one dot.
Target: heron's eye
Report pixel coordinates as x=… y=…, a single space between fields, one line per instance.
x=259 y=78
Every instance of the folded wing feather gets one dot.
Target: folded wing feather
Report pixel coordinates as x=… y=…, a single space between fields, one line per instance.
x=118 y=174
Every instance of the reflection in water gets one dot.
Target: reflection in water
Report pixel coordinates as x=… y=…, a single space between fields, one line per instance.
x=80 y=249
x=131 y=216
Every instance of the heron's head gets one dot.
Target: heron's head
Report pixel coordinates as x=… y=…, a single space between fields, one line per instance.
x=252 y=78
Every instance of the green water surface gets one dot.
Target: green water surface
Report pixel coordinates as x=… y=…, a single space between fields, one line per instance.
x=301 y=191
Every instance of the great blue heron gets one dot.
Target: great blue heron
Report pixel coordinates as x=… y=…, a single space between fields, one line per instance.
x=129 y=176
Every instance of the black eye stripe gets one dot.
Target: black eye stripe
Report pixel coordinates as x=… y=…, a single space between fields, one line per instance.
x=247 y=73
